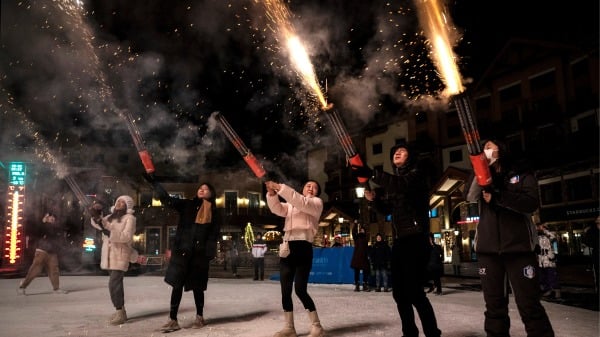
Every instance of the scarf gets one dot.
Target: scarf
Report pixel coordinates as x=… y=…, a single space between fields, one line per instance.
x=204 y=214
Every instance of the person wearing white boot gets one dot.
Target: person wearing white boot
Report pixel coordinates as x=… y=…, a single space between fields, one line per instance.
x=301 y=212
x=195 y=245
x=117 y=230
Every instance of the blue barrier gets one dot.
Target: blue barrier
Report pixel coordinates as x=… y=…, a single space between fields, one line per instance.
x=330 y=265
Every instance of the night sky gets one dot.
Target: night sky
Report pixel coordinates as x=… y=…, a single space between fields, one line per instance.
x=69 y=70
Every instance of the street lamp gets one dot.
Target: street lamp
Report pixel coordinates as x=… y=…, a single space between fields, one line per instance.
x=360 y=191
x=341 y=222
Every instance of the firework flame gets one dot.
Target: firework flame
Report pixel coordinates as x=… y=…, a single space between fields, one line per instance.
x=279 y=14
x=439 y=31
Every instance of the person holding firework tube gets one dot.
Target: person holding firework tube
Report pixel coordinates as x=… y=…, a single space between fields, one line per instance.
x=301 y=213
x=117 y=230
x=50 y=243
x=194 y=247
x=505 y=244
x=406 y=197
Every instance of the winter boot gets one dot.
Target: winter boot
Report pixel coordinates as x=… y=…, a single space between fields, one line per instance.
x=356 y=287
x=170 y=326
x=199 y=322
x=288 y=330
x=366 y=287
x=119 y=317
x=316 y=330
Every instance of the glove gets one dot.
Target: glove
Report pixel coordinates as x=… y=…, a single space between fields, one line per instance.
x=103 y=230
x=361 y=171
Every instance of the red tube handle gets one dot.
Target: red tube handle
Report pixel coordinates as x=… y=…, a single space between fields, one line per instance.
x=146 y=161
x=254 y=165
x=481 y=169
x=356 y=161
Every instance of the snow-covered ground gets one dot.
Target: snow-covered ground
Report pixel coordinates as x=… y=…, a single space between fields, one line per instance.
x=242 y=307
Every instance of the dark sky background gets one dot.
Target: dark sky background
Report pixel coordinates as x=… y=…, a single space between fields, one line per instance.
x=68 y=68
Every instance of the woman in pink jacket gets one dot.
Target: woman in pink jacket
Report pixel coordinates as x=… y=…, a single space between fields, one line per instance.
x=302 y=213
x=117 y=229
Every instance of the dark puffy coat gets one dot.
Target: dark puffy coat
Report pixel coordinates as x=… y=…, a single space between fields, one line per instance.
x=406 y=197
x=435 y=266
x=360 y=256
x=505 y=224
x=194 y=245
x=380 y=255
x=52 y=238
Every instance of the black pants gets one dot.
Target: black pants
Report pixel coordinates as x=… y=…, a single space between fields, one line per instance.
x=259 y=268
x=177 y=294
x=115 y=288
x=295 y=270
x=521 y=270
x=366 y=274
x=409 y=263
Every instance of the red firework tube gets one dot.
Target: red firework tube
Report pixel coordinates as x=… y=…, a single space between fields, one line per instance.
x=345 y=140
x=231 y=134
x=254 y=165
x=356 y=161
x=146 y=161
x=481 y=169
x=237 y=142
x=465 y=126
x=468 y=123
x=341 y=133
x=138 y=142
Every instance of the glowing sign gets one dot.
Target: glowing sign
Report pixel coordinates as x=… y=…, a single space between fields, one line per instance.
x=13 y=230
x=89 y=245
x=16 y=174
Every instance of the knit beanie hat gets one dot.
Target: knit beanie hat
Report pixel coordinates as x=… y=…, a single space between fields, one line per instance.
x=128 y=201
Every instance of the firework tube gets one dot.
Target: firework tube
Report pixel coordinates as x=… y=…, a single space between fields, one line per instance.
x=78 y=192
x=138 y=142
x=471 y=133
x=345 y=140
x=237 y=142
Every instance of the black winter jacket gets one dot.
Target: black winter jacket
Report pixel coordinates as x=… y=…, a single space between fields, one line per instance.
x=505 y=224
x=380 y=254
x=406 y=197
x=194 y=246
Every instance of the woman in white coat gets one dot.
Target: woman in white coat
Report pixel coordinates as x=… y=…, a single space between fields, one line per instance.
x=117 y=229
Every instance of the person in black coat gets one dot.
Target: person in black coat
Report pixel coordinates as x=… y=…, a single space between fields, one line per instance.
x=435 y=267
x=380 y=259
x=195 y=245
x=405 y=196
x=505 y=244
x=360 y=260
